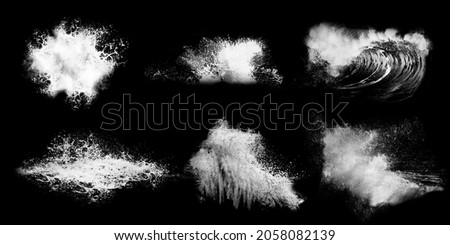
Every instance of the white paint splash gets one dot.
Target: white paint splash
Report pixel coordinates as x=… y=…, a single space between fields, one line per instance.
x=84 y=168
x=230 y=166
x=73 y=59
x=230 y=61
x=339 y=46
x=350 y=164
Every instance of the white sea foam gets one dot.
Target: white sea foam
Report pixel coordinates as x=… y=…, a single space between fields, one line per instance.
x=74 y=59
x=81 y=166
x=230 y=61
x=350 y=164
x=230 y=166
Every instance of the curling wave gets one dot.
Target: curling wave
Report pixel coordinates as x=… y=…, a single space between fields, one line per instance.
x=376 y=65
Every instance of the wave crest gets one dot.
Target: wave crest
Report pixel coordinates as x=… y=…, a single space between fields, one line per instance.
x=230 y=166
x=376 y=65
x=351 y=164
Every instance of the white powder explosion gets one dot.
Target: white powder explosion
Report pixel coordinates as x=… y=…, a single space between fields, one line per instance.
x=340 y=46
x=230 y=166
x=230 y=61
x=350 y=164
x=74 y=59
x=85 y=169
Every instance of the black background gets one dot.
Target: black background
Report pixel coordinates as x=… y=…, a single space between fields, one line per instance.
x=157 y=34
